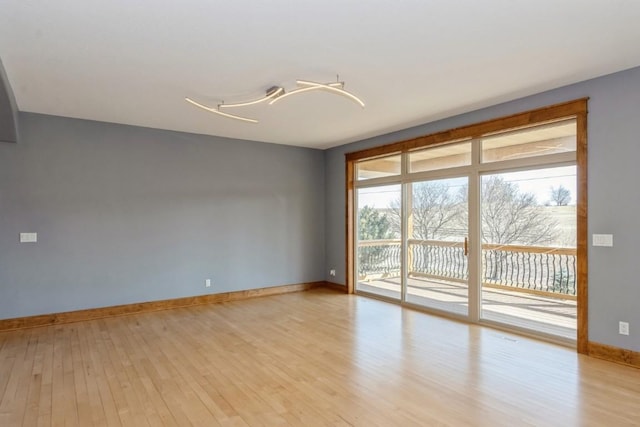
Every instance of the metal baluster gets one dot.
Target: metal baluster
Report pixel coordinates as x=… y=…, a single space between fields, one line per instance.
x=494 y=271
x=425 y=258
x=396 y=265
x=509 y=271
x=535 y=266
x=566 y=264
x=520 y=262
x=564 y=272
x=529 y=272
x=525 y=271
x=554 y=271
x=574 y=275
x=546 y=270
x=488 y=265
x=447 y=261
x=516 y=266
x=464 y=272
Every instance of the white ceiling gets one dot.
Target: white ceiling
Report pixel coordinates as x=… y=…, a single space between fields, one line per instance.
x=411 y=61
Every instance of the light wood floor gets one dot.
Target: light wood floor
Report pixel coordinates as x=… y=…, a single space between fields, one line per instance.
x=310 y=358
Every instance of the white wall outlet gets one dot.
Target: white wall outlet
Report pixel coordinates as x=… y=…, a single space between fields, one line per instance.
x=623 y=328
x=28 y=237
x=603 y=240
x=332 y=272
x=207 y=283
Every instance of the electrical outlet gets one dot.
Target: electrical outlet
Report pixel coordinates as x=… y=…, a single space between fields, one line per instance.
x=332 y=272
x=207 y=283
x=623 y=328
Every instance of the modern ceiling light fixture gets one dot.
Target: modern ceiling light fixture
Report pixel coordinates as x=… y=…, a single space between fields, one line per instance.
x=307 y=86
x=275 y=93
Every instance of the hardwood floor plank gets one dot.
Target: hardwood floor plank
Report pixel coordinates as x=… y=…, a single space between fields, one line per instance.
x=123 y=382
x=32 y=411
x=7 y=360
x=20 y=359
x=314 y=358
x=45 y=402
x=95 y=351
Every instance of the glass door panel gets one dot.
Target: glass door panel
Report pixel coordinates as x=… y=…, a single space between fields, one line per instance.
x=378 y=244
x=437 y=228
x=529 y=250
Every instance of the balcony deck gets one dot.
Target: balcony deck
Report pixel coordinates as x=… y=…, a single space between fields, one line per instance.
x=549 y=315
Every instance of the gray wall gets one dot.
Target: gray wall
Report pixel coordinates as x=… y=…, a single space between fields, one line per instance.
x=126 y=214
x=614 y=195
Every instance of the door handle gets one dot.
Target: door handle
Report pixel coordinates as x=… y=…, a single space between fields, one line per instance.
x=466 y=246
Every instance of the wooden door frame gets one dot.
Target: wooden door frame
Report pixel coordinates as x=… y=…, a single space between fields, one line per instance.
x=576 y=109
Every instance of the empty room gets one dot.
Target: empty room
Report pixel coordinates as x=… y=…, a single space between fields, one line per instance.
x=325 y=213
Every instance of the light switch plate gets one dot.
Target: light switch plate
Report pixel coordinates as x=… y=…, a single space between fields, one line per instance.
x=28 y=237
x=603 y=240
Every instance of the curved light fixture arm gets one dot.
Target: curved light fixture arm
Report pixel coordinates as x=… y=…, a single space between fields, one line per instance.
x=272 y=93
x=332 y=87
x=216 y=111
x=336 y=87
x=301 y=90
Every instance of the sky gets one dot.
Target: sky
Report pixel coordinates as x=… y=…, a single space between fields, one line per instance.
x=538 y=182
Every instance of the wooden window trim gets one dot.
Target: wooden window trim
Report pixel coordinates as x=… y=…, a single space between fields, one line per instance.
x=577 y=108
x=476 y=130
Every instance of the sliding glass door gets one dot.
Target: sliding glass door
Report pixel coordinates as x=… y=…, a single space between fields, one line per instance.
x=484 y=227
x=529 y=263
x=437 y=230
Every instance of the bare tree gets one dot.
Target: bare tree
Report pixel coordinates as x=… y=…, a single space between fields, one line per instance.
x=561 y=195
x=508 y=215
x=436 y=210
x=512 y=217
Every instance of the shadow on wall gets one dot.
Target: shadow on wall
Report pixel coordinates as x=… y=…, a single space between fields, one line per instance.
x=8 y=110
